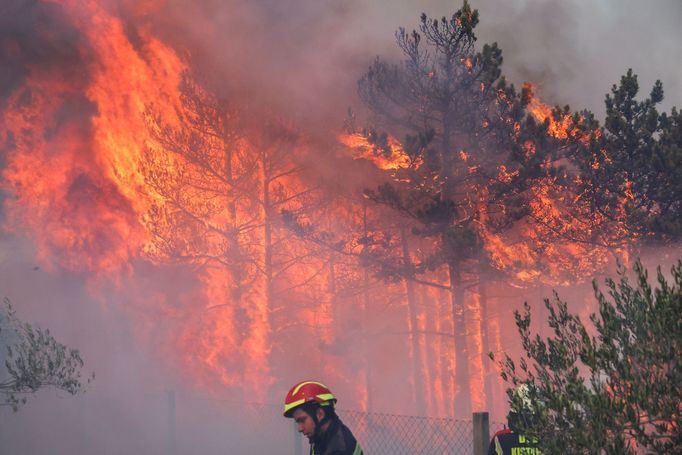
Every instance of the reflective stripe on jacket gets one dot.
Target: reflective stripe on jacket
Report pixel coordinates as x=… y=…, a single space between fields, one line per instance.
x=506 y=442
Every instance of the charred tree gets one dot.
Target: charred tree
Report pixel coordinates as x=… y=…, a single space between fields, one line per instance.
x=415 y=337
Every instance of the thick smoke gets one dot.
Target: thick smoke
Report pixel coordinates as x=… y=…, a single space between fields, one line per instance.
x=299 y=58
x=576 y=50
x=302 y=58
x=306 y=55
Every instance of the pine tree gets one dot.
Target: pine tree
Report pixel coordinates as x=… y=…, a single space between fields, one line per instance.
x=460 y=126
x=631 y=173
x=34 y=360
x=613 y=386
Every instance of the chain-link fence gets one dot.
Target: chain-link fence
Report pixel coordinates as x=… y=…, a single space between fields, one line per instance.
x=390 y=434
x=408 y=435
x=169 y=423
x=377 y=433
x=261 y=429
x=384 y=434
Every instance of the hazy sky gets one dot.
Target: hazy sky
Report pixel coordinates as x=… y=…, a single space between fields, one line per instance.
x=309 y=53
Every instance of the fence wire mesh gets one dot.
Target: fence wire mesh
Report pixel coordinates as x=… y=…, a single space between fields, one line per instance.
x=384 y=434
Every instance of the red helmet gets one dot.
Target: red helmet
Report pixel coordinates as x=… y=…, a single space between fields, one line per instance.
x=305 y=392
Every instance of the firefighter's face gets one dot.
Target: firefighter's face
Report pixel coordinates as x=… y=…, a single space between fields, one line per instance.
x=305 y=423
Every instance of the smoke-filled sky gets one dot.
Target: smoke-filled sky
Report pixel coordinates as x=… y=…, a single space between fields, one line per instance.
x=305 y=56
x=308 y=54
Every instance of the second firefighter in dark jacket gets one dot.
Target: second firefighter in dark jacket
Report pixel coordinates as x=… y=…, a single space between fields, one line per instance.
x=512 y=441
x=508 y=442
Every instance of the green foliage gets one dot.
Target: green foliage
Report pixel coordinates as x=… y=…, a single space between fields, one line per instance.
x=633 y=172
x=34 y=360
x=448 y=104
x=614 y=387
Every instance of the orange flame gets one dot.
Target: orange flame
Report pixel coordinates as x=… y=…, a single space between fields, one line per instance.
x=79 y=190
x=393 y=158
x=80 y=187
x=560 y=128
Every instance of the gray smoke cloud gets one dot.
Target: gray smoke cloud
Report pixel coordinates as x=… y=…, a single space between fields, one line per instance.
x=307 y=55
x=301 y=58
x=575 y=50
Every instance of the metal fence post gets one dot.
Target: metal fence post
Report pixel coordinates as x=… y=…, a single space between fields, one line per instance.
x=172 y=438
x=481 y=433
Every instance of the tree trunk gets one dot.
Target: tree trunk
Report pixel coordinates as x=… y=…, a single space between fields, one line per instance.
x=365 y=307
x=445 y=352
x=233 y=247
x=485 y=343
x=267 y=255
x=462 y=402
x=462 y=405
x=417 y=375
x=331 y=287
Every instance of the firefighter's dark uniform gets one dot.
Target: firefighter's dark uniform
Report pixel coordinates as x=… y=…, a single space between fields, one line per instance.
x=506 y=442
x=337 y=440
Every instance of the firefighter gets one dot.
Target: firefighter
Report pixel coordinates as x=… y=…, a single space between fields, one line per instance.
x=311 y=405
x=511 y=441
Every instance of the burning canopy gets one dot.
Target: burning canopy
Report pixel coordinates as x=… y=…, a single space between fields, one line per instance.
x=118 y=158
